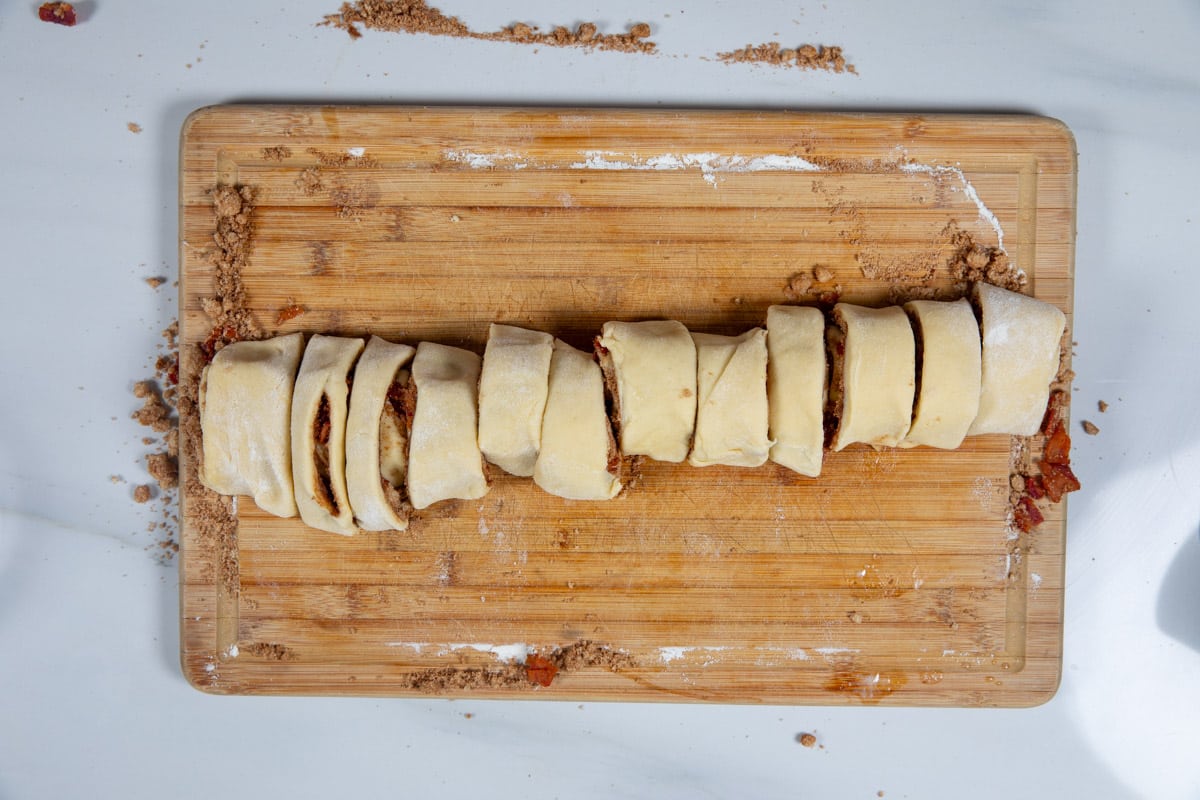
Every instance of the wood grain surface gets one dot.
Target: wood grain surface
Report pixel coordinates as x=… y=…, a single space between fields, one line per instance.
x=894 y=578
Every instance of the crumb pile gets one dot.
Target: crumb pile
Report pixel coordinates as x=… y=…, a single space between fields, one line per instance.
x=828 y=58
x=415 y=16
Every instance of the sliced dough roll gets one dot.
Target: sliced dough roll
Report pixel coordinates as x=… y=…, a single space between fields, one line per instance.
x=1021 y=342
x=512 y=397
x=578 y=458
x=947 y=337
x=319 y=408
x=245 y=419
x=444 y=461
x=731 y=411
x=377 y=439
x=653 y=369
x=874 y=374
x=796 y=381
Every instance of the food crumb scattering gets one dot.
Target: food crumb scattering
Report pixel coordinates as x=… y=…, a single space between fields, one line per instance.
x=57 y=13
x=141 y=493
x=807 y=739
x=1090 y=428
x=806 y=56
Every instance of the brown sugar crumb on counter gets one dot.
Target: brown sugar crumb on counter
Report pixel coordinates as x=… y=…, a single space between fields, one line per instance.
x=1089 y=428
x=806 y=739
x=278 y=153
x=155 y=281
x=806 y=56
x=142 y=494
x=163 y=469
x=134 y=127
x=415 y=16
x=1102 y=406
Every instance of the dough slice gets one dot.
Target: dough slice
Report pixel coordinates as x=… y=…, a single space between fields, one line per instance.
x=512 y=397
x=245 y=421
x=377 y=439
x=578 y=458
x=731 y=411
x=874 y=374
x=796 y=381
x=1021 y=342
x=319 y=407
x=947 y=337
x=444 y=461
x=653 y=367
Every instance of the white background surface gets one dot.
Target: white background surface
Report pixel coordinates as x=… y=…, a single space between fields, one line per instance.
x=92 y=702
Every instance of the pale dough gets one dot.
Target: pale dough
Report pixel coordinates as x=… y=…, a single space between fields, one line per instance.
x=1021 y=352
x=731 y=411
x=245 y=418
x=577 y=441
x=512 y=397
x=878 y=375
x=948 y=390
x=375 y=440
x=796 y=381
x=444 y=461
x=655 y=367
x=323 y=373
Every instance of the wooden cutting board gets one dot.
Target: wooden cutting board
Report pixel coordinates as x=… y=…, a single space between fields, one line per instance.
x=893 y=578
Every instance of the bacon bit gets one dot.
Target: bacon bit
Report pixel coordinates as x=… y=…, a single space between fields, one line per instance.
x=289 y=313
x=1058 y=446
x=58 y=13
x=1026 y=515
x=1058 y=480
x=1054 y=411
x=221 y=334
x=1034 y=487
x=540 y=670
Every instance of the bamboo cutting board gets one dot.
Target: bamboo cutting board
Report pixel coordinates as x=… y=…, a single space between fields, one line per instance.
x=893 y=578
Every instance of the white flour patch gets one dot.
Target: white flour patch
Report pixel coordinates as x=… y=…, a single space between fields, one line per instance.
x=711 y=165
x=476 y=160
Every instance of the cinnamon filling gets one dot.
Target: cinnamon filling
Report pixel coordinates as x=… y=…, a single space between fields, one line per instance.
x=835 y=343
x=394 y=426
x=919 y=341
x=322 y=428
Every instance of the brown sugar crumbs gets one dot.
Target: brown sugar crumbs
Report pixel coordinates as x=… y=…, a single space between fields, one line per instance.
x=154 y=413
x=232 y=321
x=828 y=58
x=1089 y=428
x=163 y=469
x=275 y=153
x=1102 y=406
x=155 y=281
x=142 y=494
x=415 y=16
x=134 y=127
x=806 y=739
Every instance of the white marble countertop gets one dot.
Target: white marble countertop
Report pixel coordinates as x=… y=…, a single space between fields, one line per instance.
x=93 y=702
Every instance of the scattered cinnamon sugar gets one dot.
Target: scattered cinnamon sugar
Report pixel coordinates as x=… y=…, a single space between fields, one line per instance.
x=154 y=413
x=278 y=153
x=142 y=494
x=540 y=669
x=309 y=181
x=1089 y=428
x=822 y=274
x=1102 y=406
x=972 y=262
x=342 y=159
x=798 y=285
x=163 y=469
x=232 y=321
x=134 y=127
x=806 y=56
x=268 y=650
x=806 y=739
x=415 y=16
x=155 y=281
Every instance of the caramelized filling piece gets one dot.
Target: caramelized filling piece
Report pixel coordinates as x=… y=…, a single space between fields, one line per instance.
x=322 y=428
